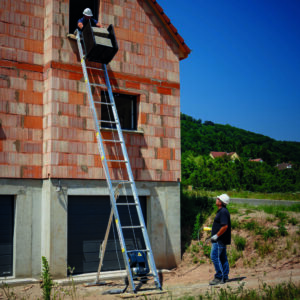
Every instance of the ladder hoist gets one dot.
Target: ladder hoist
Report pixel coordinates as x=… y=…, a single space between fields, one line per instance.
x=100 y=45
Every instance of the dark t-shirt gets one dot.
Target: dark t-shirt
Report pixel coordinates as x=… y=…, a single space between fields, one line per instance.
x=84 y=21
x=222 y=218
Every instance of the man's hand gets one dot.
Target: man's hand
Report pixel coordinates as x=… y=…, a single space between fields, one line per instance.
x=80 y=25
x=99 y=25
x=214 y=238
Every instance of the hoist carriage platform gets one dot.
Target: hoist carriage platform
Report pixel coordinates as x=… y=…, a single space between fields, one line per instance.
x=100 y=43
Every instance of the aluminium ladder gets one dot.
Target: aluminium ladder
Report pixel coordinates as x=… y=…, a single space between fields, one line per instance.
x=129 y=181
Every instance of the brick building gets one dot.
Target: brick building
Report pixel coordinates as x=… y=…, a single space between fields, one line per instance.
x=50 y=169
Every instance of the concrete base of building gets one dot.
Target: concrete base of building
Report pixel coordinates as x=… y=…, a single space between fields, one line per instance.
x=41 y=214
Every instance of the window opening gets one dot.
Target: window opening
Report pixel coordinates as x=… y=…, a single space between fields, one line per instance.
x=77 y=7
x=126 y=108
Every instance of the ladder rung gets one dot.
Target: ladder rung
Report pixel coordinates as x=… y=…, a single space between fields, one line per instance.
x=121 y=181
x=117 y=160
x=132 y=227
x=127 y=204
x=144 y=250
x=99 y=102
x=98 y=69
x=113 y=141
x=110 y=122
x=98 y=84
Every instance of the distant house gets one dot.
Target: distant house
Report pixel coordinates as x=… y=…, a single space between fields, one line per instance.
x=284 y=166
x=256 y=160
x=232 y=155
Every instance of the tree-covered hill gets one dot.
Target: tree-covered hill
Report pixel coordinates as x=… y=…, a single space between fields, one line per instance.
x=201 y=138
x=203 y=172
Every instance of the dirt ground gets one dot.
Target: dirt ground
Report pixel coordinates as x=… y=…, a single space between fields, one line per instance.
x=184 y=281
x=271 y=260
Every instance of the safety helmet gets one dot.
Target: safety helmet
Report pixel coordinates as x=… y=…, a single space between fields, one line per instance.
x=224 y=198
x=87 y=12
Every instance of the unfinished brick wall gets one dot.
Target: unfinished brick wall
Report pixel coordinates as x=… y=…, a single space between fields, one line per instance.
x=47 y=128
x=21 y=82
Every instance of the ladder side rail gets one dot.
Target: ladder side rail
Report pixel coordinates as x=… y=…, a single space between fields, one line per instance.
x=130 y=175
x=117 y=219
x=104 y=162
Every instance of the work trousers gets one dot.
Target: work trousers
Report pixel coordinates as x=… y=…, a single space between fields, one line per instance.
x=218 y=256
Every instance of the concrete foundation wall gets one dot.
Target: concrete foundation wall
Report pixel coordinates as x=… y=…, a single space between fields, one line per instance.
x=41 y=221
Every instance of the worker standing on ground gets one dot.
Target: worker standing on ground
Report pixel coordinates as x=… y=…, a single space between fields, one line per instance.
x=220 y=237
x=87 y=15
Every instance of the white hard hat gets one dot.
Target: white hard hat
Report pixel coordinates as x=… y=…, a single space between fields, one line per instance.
x=224 y=198
x=87 y=12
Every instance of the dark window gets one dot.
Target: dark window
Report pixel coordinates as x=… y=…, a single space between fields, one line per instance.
x=126 y=108
x=6 y=235
x=76 y=9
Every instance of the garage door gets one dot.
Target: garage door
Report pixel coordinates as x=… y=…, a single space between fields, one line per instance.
x=6 y=235
x=87 y=222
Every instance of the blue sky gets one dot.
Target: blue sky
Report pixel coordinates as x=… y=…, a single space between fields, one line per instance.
x=244 y=68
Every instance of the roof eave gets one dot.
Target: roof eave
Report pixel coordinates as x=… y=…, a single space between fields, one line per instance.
x=184 y=49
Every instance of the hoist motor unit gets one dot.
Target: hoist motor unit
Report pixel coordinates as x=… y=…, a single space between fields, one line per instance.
x=138 y=263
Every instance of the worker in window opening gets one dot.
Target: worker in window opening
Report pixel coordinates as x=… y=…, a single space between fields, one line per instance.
x=87 y=15
x=220 y=237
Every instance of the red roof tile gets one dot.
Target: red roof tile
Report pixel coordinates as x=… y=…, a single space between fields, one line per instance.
x=185 y=49
x=256 y=159
x=218 y=154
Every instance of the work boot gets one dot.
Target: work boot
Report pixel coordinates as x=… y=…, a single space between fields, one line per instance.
x=225 y=280
x=216 y=281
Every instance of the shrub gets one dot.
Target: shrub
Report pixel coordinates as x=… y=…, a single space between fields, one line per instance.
x=240 y=242
x=194 y=211
x=197 y=226
x=47 y=282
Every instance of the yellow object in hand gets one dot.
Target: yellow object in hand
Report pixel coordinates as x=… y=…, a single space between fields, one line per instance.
x=207 y=228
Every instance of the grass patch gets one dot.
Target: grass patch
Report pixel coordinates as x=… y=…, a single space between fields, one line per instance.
x=293 y=221
x=280 y=215
x=264 y=249
x=252 y=225
x=276 y=210
x=206 y=249
x=250 y=195
x=269 y=233
x=240 y=242
x=232 y=210
x=282 y=230
x=233 y=256
x=235 y=224
x=195 y=249
x=285 y=290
